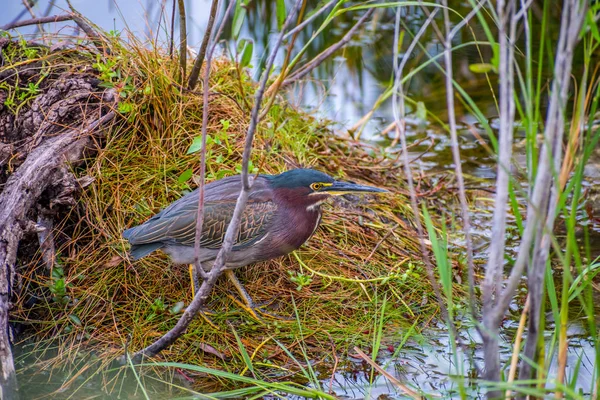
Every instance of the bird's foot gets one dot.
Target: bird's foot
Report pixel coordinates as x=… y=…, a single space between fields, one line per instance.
x=258 y=310
x=204 y=313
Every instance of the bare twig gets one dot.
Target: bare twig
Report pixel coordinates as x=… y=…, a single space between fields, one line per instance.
x=456 y=149
x=207 y=35
x=546 y=185
x=205 y=111
x=37 y=21
x=28 y=7
x=493 y=273
x=207 y=285
x=398 y=95
x=47 y=11
x=87 y=28
x=399 y=114
x=172 y=38
x=327 y=52
x=182 y=40
x=271 y=92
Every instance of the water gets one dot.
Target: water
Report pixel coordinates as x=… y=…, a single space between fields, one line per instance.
x=344 y=89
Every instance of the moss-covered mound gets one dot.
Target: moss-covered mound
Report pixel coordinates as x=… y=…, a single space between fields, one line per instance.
x=333 y=288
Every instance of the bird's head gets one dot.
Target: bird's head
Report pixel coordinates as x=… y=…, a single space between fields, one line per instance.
x=310 y=188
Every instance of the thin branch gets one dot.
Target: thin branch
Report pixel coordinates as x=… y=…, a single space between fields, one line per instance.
x=272 y=90
x=398 y=95
x=456 y=150
x=205 y=112
x=493 y=272
x=182 y=40
x=207 y=285
x=217 y=36
x=47 y=11
x=87 y=28
x=207 y=35
x=553 y=134
x=172 y=38
x=37 y=21
x=28 y=7
x=327 y=52
x=400 y=122
x=574 y=12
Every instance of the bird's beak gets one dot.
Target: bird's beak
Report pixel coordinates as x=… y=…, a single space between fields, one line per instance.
x=339 y=188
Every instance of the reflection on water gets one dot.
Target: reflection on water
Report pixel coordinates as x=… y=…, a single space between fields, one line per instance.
x=344 y=89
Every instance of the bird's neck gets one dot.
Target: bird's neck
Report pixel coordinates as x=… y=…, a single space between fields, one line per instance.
x=300 y=215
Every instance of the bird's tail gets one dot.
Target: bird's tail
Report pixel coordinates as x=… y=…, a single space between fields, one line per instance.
x=142 y=250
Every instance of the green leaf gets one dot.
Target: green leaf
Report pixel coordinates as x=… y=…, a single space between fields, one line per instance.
x=247 y=51
x=225 y=123
x=421 y=111
x=238 y=19
x=281 y=13
x=482 y=68
x=591 y=22
x=125 y=108
x=185 y=175
x=196 y=145
x=75 y=320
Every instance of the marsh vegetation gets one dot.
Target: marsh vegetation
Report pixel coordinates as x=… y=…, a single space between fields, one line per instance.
x=475 y=277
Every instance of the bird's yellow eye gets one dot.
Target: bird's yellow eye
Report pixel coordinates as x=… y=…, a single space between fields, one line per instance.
x=316 y=186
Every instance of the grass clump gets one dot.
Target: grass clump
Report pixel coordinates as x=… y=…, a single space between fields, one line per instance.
x=100 y=302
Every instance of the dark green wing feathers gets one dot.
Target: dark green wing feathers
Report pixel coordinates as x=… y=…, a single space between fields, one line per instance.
x=176 y=224
x=181 y=227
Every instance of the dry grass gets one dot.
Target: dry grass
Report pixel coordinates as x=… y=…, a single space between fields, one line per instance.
x=365 y=250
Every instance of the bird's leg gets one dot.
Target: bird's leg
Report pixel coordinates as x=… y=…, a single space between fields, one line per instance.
x=194 y=279
x=251 y=306
x=195 y=286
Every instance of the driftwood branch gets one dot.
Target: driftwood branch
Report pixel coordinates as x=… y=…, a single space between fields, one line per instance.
x=37 y=21
x=208 y=284
x=205 y=40
x=22 y=190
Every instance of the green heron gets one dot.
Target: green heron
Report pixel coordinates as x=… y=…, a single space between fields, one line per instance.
x=283 y=211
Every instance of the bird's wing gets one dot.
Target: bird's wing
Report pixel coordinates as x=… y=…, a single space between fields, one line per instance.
x=177 y=223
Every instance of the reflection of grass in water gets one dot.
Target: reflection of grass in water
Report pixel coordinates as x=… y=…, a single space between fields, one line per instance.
x=365 y=249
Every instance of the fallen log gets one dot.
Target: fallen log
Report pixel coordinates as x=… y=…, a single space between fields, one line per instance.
x=38 y=145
